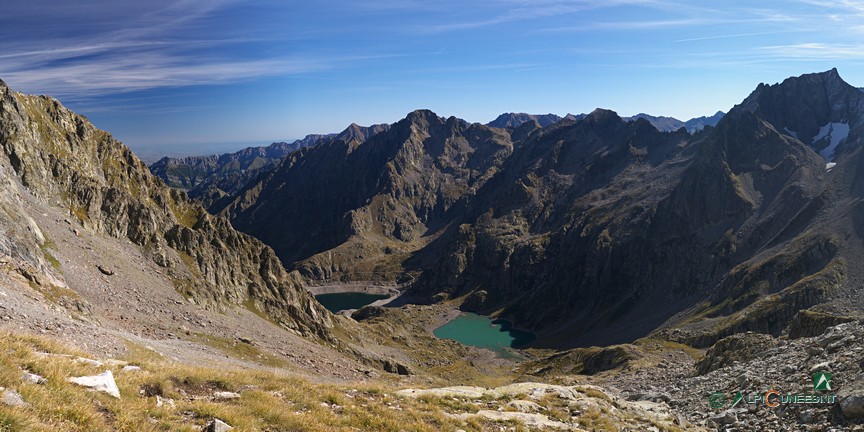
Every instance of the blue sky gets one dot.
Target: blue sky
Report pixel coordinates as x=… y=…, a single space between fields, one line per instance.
x=204 y=76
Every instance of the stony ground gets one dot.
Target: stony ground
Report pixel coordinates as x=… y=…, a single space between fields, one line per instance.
x=759 y=364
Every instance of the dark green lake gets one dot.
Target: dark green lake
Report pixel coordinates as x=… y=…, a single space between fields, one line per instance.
x=484 y=332
x=347 y=300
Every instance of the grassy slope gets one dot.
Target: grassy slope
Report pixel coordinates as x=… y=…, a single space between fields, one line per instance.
x=269 y=400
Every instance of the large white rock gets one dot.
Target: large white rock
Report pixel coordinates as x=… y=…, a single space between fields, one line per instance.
x=34 y=228
x=103 y=382
x=13 y=399
x=225 y=395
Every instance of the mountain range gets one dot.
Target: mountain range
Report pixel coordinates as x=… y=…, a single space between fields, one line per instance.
x=588 y=231
x=210 y=179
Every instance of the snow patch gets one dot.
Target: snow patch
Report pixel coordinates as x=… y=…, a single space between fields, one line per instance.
x=830 y=165
x=836 y=132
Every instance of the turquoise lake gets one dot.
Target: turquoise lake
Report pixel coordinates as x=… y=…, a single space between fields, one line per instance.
x=347 y=300
x=484 y=332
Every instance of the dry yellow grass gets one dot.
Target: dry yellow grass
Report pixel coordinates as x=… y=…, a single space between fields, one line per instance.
x=269 y=401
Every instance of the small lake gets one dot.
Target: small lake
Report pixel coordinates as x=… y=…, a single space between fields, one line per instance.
x=484 y=332
x=347 y=300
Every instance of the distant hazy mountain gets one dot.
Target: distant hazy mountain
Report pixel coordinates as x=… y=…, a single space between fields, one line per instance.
x=663 y=124
x=188 y=172
x=696 y=124
x=209 y=178
x=669 y=124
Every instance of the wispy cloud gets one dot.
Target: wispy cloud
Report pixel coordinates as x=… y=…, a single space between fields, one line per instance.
x=815 y=51
x=523 y=10
x=152 y=49
x=848 y=5
x=627 y=25
x=735 y=35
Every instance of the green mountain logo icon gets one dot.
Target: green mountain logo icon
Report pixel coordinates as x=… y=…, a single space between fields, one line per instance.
x=822 y=381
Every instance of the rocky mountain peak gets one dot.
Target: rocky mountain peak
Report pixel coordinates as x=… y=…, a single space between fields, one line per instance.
x=422 y=116
x=602 y=116
x=819 y=109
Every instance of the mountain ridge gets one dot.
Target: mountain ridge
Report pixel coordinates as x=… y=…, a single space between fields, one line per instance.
x=61 y=158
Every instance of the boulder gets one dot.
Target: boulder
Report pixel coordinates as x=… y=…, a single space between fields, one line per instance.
x=217 y=426
x=225 y=395
x=166 y=402
x=105 y=270
x=103 y=382
x=367 y=312
x=13 y=399
x=395 y=367
x=851 y=400
x=33 y=378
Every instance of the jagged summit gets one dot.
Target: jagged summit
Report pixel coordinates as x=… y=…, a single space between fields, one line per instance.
x=819 y=109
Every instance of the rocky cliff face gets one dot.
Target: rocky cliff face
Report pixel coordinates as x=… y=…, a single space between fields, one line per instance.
x=63 y=160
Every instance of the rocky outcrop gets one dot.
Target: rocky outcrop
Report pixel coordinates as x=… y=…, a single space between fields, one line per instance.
x=63 y=160
x=584 y=361
x=809 y=323
x=736 y=348
x=583 y=404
